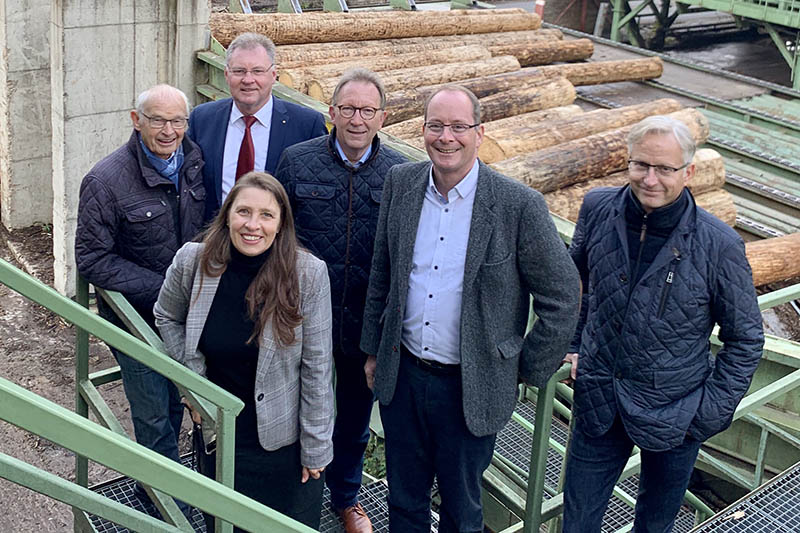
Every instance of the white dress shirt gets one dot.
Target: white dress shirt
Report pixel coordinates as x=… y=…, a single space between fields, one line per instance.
x=233 y=141
x=432 y=321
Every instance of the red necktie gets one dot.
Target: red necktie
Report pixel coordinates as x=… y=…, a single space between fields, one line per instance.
x=247 y=152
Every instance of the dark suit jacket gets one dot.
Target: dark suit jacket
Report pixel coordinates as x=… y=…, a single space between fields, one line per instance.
x=208 y=124
x=514 y=252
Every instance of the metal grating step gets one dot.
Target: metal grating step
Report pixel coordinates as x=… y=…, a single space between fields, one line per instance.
x=772 y=508
x=514 y=443
x=372 y=497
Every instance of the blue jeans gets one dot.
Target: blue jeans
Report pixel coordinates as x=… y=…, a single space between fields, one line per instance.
x=354 y=402
x=595 y=463
x=427 y=436
x=156 y=409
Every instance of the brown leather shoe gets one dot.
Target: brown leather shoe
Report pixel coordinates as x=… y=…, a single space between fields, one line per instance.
x=355 y=519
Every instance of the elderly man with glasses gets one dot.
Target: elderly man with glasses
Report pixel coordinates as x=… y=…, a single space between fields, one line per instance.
x=658 y=274
x=138 y=206
x=250 y=130
x=334 y=184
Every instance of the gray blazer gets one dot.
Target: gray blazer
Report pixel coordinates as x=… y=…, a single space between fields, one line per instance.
x=513 y=252
x=296 y=378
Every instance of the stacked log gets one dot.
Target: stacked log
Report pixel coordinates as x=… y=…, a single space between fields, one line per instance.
x=774 y=259
x=579 y=160
x=545 y=52
x=333 y=27
x=505 y=143
x=395 y=80
x=598 y=72
x=303 y=55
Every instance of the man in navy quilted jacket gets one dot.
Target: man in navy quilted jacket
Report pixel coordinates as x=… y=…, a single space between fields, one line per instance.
x=334 y=184
x=137 y=207
x=658 y=273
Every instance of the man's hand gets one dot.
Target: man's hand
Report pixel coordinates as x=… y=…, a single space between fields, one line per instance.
x=369 y=370
x=310 y=472
x=571 y=358
x=196 y=418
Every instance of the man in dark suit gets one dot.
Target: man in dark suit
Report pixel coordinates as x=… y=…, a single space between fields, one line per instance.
x=459 y=251
x=251 y=129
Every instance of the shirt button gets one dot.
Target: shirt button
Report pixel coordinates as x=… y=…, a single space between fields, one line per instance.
x=425 y=348
x=430 y=296
x=427 y=323
x=149 y=214
x=260 y=397
x=441 y=238
x=446 y=210
x=435 y=267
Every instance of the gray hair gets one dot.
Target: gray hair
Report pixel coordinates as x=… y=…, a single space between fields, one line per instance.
x=453 y=88
x=363 y=75
x=664 y=125
x=158 y=91
x=248 y=41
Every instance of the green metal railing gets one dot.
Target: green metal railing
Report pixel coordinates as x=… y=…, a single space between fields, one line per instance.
x=109 y=446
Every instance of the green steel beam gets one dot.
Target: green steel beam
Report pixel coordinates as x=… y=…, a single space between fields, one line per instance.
x=81 y=374
x=634 y=12
x=781 y=296
x=42 y=417
x=79 y=497
x=108 y=375
x=783 y=13
x=760 y=397
x=541 y=437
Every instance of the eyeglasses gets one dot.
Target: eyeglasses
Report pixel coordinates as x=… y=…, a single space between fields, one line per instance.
x=640 y=168
x=349 y=111
x=158 y=122
x=258 y=72
x=437 y=128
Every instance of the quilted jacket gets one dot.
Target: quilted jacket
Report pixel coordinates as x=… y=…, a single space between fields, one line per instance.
x=335 y=210
x=131 y=221
x=645 y=352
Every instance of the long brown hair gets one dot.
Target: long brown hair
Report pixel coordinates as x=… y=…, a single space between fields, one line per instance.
x=275 y=291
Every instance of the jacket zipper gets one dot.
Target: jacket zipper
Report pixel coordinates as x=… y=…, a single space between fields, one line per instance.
x=634 y=272
x=673 y=265
x=346 y=257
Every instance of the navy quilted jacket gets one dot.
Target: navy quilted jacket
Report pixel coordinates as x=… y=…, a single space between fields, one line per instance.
x=336 y=213
x=644 y=350
x=131 y=221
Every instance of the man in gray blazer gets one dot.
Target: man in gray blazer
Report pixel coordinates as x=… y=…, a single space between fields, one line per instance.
x=460 y=249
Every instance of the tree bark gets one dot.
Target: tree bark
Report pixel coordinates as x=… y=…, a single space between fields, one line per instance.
x=332 y=27
x=505 y=143
x=545 y=52
x=298 y=78
x=394 y=80
x=406 y=104
x=598 y=72
x=774 y=259
x=305 y=55
x=709 y=179
x=586 y=158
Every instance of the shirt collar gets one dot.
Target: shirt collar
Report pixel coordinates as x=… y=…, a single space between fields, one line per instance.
x=263 y=115
x=463 y=188
x=358 y=163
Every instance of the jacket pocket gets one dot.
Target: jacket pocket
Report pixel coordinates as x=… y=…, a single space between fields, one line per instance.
x=510 y=348
x=314 y=205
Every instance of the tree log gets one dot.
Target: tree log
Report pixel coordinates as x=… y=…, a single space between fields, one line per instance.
x=720 y=204
x=545 y=52
x=582 y=159
x=304 y=55
x=597 y=72
x=412 y=128
x=332 y=27
x=505 y=143
x=774 y=259
x=394 y=80
x=542 y=95
x=709 y=178
x=298 y=78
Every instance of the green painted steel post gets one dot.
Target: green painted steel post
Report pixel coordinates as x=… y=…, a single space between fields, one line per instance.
x=81 y=374
x=616 y=16
x=226 y=433
x=541 y=443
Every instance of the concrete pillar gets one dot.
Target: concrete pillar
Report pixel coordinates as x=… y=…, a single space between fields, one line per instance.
x=25 y=193
x=103 y=54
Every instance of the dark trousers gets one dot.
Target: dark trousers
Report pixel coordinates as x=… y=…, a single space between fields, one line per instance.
x=427 y=436
x=350 y=430
x=595 y=464
x=272 y=478
x=156 y=409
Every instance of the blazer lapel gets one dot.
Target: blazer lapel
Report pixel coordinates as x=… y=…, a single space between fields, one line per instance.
x=410 y=209
x=203 y=290
x=215 y=157
x=277 y=133
x=266 y=351
x=482 y=224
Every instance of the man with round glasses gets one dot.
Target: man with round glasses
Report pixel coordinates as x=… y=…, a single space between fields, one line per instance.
x=138 y=206
x=334 y=184
x=658 y=273
x=250 y=130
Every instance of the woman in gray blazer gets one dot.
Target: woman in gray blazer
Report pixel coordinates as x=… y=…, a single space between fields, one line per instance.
x=251 y=311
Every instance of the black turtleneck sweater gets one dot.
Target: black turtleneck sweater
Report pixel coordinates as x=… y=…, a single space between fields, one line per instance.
x=648 y=232
x=231 y=363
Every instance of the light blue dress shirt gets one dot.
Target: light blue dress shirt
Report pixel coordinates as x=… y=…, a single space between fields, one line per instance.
x=432 y=321
x=347 y=161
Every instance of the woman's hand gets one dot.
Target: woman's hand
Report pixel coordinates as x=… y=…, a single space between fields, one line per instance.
x=311 y=472
x=196 y=418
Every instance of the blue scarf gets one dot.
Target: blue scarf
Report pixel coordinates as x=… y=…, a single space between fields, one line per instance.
x=169 y=168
